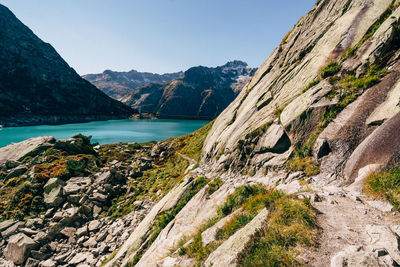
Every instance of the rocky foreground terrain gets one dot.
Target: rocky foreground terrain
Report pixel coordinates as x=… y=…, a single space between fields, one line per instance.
x=199 y=93
x=38 y=87
x=302 y=168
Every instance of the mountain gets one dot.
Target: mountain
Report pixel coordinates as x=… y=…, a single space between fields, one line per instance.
x=301 y=169
x=38 y=87
x=199 y=92
x=119 y=84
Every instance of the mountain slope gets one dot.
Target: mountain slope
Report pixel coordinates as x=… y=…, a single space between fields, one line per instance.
x=202 y=92
x=331 y=56
x=119 y=84
x=37 y=86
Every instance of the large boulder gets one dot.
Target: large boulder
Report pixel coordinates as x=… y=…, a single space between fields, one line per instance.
x=53 y=192
x=76 y=185
x=30 y=147
x=274 y=140
x=381 y=147
x=19 y=247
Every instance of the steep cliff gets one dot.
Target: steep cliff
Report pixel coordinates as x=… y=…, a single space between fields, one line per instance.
x=37 y=86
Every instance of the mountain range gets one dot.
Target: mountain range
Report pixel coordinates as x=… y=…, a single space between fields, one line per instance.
x=199 y=93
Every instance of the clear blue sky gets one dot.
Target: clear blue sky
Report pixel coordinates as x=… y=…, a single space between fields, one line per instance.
x=159 y=35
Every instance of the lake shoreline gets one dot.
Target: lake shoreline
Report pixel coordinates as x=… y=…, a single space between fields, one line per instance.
x=106 y=132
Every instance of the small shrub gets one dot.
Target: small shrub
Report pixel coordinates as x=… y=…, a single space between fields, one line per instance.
x=291 y=224
x=76 y=165
x=278 y=112
x=134 y=146
x=214 y=185
x=85 y=139
x=52 y=152
x=331 y=69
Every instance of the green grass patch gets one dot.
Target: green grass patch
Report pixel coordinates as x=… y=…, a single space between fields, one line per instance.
x=291 y=225
x=259 y=131
x=231 y=226
x=214 y=185
x=250 y=198
x=305 y=165
x=385 y=185
x=302 y=159
x=311 y=84
x=109 y=258
x=191 y=145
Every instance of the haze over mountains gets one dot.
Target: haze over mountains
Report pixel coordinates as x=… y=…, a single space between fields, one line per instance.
x=200 y=92
x=38 y=87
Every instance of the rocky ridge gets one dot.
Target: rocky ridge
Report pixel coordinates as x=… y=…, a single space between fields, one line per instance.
x=200 y=92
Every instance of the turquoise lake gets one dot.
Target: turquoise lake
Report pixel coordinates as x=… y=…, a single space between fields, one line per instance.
x=106 y=132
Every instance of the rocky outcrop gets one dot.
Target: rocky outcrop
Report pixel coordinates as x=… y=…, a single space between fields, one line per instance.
x=199 y=92
x=38 y=87
x=18 y=151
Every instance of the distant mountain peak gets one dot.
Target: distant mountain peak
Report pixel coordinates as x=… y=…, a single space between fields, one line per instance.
x=199 y=92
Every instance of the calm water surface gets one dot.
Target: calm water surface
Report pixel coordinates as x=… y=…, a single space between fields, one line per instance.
x=106 y=132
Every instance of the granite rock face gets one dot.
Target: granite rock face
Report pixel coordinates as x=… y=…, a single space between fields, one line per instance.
x=30 y=147
x=290 y=92
x=38 y=87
